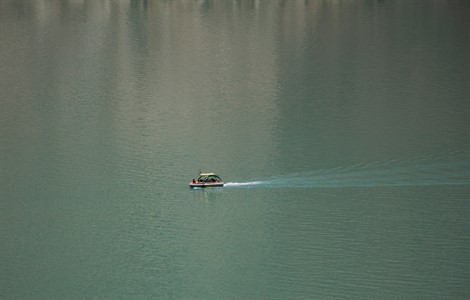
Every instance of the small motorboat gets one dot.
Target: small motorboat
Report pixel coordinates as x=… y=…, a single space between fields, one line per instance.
x=206 y=180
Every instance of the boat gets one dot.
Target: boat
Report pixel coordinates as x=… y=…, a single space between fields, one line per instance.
x=206 y=180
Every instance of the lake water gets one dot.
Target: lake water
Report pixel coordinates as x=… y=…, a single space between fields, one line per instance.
x=341 y=129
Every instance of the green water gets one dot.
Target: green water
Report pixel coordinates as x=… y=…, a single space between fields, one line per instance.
x=340 y=127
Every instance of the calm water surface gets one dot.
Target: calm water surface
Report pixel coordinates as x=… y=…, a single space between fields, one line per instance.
x=340 y=127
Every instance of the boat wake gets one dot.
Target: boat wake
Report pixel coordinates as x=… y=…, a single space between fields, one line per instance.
x=391 y=173
x=244 y=184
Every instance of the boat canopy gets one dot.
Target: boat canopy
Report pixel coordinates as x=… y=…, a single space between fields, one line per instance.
x=208 y=177
x=206 y=174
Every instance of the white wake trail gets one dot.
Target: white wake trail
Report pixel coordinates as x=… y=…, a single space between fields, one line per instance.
x=243 y=184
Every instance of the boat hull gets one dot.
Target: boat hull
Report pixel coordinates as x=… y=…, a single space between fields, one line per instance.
x=205 y=184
